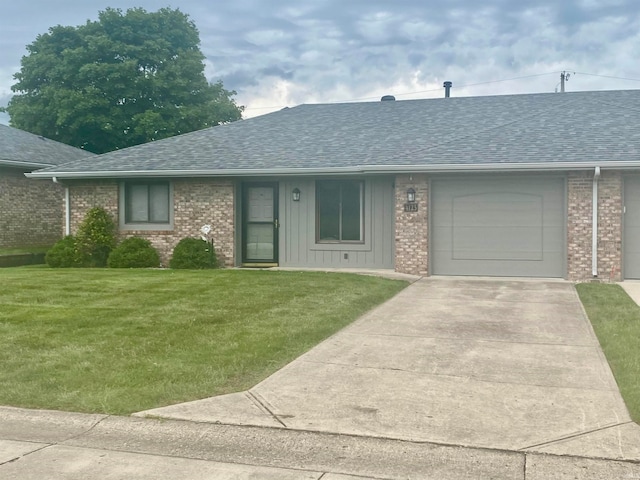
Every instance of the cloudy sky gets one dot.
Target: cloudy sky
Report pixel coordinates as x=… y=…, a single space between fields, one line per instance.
x=281 y=53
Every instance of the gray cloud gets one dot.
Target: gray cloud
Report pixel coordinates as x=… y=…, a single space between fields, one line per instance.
x=288 y=52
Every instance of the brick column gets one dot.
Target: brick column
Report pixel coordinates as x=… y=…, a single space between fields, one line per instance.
x=580 y=226
x=411 y=228
x=610 y=205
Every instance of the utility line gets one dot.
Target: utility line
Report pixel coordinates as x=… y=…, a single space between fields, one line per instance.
x=422 y=91
x=465 y=86
x=608 y=76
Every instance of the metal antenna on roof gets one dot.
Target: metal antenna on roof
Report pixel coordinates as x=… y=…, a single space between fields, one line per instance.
x=564 y=77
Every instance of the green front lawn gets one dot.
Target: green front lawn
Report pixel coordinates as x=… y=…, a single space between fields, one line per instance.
x=120 y=341
x=21 y=250
x=616 y=321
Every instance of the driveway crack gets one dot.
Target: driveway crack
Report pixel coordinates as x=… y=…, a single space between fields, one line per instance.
x=262 y=404
x=88 y=430
x=20 y=457
x=575 y=435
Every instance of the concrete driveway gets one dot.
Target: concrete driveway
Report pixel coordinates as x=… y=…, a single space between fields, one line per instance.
x=500 y=364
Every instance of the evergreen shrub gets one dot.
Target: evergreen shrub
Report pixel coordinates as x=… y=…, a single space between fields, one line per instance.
x=193 y=253
x=134 y=252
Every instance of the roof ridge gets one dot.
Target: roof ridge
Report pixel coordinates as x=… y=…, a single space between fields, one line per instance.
x=485 y=130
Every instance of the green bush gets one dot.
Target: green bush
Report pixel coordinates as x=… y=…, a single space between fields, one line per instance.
x=96 y=237
x=63 y=254
x=134 y=252
x=193 y=253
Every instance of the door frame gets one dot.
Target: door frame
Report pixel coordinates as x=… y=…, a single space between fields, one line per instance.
x=245 y=187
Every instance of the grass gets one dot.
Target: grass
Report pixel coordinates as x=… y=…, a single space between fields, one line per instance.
x=119 y=341
x=19 y=250
x=616 y=321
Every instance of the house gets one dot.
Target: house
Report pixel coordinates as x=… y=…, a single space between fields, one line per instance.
x=541 y=185
x=31 y=211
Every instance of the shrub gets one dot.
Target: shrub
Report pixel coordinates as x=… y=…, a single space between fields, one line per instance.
x=63 y=254
x=134 y=252
x=193 y=253
x=96 y=237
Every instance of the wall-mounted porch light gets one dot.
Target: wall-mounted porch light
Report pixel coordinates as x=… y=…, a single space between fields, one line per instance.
x=295 y=195
x=411 y=195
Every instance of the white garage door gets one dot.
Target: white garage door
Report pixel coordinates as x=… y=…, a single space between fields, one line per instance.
x=498 y=226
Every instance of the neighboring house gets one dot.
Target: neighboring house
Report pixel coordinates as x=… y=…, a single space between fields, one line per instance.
x=498 y=186
x=30 y=210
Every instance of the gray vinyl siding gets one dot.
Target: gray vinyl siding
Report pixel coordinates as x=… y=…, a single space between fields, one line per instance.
x=297 y=236
x=632 y=227
x=499 y=226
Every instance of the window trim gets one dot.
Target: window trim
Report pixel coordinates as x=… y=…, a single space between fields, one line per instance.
x=122 y=204
x=362 y=197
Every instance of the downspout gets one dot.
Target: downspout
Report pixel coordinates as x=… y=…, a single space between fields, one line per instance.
x=594 y=240
x=67 y=208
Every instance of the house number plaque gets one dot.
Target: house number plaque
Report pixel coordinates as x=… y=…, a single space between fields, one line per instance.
x=411 y=207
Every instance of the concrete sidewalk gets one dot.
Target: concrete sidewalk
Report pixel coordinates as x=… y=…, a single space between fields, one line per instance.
x=500 y=364
x=36 y=445
x=632 y=287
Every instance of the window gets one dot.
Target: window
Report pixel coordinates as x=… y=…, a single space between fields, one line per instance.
x=339 y=208
x=147 y=203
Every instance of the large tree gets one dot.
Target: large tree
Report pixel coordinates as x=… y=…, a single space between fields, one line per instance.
x=125 y=79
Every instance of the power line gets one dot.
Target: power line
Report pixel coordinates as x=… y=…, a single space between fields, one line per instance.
x=608 y=76
x=359 y=99
x=464 y=86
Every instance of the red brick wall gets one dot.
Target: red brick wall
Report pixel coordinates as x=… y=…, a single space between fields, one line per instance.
x=30 y=210
x=610 y=218
x=580 y=226
x=411 y=235
x=196 y=202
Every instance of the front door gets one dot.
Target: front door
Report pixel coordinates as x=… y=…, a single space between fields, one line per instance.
x=260 y=224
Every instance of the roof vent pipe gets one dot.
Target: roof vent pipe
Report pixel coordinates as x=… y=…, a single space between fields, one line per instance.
x=388 y=98
x=447 y=89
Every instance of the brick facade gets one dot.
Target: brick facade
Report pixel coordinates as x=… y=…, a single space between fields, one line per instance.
x=85 y=195
x=610 y=218
x=212 y=201
x=580 y=226
x=30 y=210
x=196 y=202
x=411 y=230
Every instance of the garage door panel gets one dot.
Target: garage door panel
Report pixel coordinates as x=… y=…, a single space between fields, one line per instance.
x=497 y=243
x=497 y=226
x=505 y=227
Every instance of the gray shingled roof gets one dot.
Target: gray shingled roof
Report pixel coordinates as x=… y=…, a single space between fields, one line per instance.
x=492 y=132
x=24 y=149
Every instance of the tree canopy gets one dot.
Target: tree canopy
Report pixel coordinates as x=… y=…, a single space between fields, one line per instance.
x=126 y=79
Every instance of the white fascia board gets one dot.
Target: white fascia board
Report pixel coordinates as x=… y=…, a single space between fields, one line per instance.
x=379 y=169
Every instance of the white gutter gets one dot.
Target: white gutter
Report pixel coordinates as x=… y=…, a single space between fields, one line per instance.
x=16 y=163
x=67 y=208
x=358 y=169
x=594 y=239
